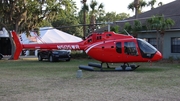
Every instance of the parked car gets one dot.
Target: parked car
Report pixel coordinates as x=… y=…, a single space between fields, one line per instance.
x=54 y=55
x=1 y=56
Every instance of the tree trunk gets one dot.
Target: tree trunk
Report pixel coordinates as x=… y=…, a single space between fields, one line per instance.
x=92 y=22
x=84 y=27
x=157 y=40
x=161 y=42
x=136 y=13
x=136 y=5
x=84 y=12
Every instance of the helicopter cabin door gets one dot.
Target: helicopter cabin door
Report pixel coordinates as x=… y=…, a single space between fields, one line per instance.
x=130 y=51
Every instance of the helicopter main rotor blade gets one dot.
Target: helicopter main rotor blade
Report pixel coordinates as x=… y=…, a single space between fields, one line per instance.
x=108 y=23
x=60 y=27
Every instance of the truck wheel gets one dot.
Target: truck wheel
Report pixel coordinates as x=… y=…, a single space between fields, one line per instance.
x=1 y=56
x=51 y=59
x=40 y=58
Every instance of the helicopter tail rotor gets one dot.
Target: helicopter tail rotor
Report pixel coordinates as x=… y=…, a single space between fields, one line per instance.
x=18 y=46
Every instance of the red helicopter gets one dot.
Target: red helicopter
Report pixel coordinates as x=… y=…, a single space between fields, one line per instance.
x=106 y=47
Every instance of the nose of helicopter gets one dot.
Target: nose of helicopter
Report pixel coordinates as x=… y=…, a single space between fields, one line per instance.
x=157 y=56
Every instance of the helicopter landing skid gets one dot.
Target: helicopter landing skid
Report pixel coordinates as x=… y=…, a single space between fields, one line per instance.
x=124 y=67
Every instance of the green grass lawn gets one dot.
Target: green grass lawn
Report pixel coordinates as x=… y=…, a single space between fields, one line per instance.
x=22 y=78
x=33 y=67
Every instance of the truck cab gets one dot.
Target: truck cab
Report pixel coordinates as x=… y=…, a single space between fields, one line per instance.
x=54 y=55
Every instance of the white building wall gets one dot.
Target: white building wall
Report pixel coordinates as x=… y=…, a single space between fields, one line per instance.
x=167 y=45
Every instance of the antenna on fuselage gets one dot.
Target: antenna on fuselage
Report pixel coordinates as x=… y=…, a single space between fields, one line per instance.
x=127 y=32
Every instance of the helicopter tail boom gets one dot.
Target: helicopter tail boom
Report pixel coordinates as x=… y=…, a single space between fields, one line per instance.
x=49 y=46
x=59 y=46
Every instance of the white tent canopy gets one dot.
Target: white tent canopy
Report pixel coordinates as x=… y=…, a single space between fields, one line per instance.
x=49 y=35
x=4 y=33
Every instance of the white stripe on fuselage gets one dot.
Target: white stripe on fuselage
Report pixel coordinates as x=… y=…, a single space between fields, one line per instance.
x=94 y=45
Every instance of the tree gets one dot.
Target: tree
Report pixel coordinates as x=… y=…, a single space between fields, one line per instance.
x=151 y=3
x=84 y=9
x=68 y=24
x=137 y=5
x=137 y=27
x=67 y=20
x=133 y=29
x=44 y=23
x=25 y=15
x=115 y=29
x=160 y=4
x=160 y=24
x=127 y=27
x=112 y=16
x=96 y=10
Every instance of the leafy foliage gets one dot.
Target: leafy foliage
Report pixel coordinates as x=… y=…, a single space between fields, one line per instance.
x=115 y=29
x=160 y=24
x=113 y=16
x=67 y=23
x=24 y=15
x=138 y=5
x=133 y=29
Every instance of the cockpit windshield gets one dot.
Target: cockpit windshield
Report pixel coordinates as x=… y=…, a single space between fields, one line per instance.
x=147 y=49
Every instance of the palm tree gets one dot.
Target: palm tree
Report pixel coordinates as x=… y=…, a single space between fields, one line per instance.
x=94 y=13
x=151 y=3
x=85 y=8
x=137 y=5
x=160 y=4
x=160 y=24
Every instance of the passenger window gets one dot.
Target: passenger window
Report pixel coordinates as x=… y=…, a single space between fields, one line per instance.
x=98 y=37
x=118 y=47
x=130 y=48
x=107 y=35
x=90 y=40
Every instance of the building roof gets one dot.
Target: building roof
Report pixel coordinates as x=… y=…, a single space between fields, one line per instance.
x=170 y=10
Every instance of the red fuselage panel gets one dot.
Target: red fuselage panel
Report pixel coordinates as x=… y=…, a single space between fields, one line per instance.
x=107 y=52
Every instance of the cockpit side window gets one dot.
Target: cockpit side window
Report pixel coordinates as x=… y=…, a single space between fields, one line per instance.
x=146 y=49
x=118 y=47
x=130 y=48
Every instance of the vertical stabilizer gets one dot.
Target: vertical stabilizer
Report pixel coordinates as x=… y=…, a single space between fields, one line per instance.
x=18 y=46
